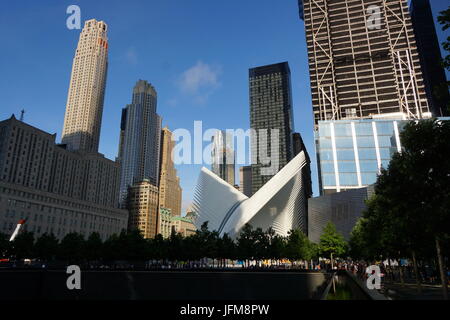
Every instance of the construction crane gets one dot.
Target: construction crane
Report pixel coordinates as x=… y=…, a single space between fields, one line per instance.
x=16 y=231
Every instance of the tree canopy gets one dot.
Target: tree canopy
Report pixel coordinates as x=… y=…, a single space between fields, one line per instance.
x=251 y=244
x=332 y=242
x=409 y=214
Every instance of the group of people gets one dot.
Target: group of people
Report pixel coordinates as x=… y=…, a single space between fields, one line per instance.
x=391 y=272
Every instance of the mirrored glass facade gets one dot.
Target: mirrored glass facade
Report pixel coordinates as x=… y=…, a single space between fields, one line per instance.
x=139 y=148
x=270 y=113
x=352 y=152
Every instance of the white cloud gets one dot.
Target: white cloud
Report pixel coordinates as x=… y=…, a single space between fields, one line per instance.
x=200 y=77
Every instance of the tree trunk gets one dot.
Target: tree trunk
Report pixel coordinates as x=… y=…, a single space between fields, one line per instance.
x=332 y=261
x=391 y=274
x=442 y=269
x=402 y=280
x=416 y=272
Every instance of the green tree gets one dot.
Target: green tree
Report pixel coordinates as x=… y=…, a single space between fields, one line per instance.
x=246 y=244
x=278 y=248
x=203 y=248
x=314 y=250
x=298 y=246
x=131 y=245
x=94 y=247
x=409 y=213
x=381 y=233
x=23 y=245
x=211 y=245
x=401 y=231
x=332 y=243
x=190 y=248
x=176 y=247
x=46 y=247
x=310 y=250
x=226 y=248
x=277 y=245
x=358 y=244
x=110 y=248
x=4 y=245
x=417 y=186
x=261 y=245
x=71 y=248
x=128 y=245
x=160 y=247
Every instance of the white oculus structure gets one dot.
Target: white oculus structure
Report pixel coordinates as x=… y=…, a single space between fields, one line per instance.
x=281 y=203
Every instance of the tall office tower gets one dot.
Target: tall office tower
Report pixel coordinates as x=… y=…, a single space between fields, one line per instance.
x=270 y=113
x=84 y=109
x=143 y=209
x=245 y=179
x=139 y=152
x=430 y=56
x=363 y=59
x=170 y=192
x=223 y=156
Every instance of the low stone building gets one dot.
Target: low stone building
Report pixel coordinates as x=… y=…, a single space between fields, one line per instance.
x=343 y=209
x=183 y=226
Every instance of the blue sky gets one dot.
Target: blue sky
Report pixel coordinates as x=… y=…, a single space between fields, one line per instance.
x=195 y=52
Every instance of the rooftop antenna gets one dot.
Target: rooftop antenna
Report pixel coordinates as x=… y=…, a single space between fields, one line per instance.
x=21 y=114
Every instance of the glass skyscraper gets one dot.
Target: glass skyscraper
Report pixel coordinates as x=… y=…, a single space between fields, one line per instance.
x=270 y=108
x=139 y=149
x=351 y=153
x=430 y=56
x=366 y=81
x=223 y=156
